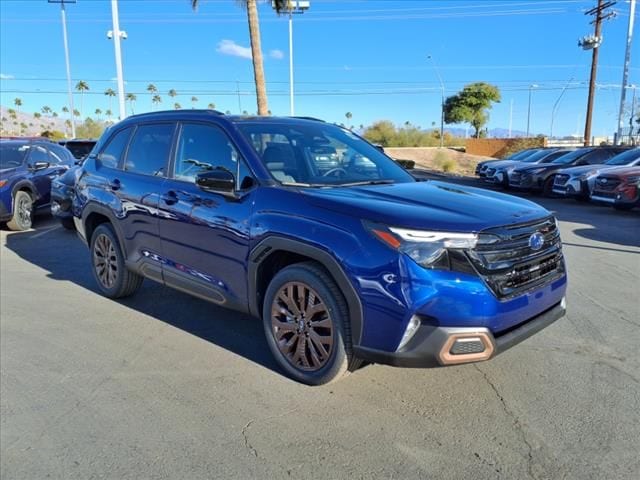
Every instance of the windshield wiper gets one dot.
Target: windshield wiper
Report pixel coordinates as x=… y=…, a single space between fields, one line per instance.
x=367 y=182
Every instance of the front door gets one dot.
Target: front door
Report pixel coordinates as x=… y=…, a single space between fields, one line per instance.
x=205 y=235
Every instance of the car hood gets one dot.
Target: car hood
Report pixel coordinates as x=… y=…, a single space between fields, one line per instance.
x=503 y=163
x=623 y=172
x=584 y=169
x=8 y=172
x=431 y=205
x=547 y=166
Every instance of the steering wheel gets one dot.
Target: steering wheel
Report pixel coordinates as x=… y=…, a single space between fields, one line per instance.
x=333 y=171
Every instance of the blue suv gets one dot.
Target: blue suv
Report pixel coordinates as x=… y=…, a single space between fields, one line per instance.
x=27 y=167
x=357 y=262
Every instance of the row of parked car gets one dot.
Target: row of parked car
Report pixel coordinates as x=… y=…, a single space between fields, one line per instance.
x=28 y=166
x=606 y=174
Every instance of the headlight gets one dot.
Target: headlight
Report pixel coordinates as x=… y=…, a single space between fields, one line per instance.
x=633 y=179
x=429 y=249
x=585 y=176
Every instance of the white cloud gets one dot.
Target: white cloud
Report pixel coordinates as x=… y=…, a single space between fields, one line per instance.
x=229 y=47
x=276 y=54
x=4 y=76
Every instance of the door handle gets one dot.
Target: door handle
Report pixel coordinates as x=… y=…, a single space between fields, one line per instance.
x=115 y=185
x=170 y=198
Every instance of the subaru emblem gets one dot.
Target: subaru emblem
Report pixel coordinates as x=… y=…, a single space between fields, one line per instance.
x=536 y=241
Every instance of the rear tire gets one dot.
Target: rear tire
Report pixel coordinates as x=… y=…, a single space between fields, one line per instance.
x=306 y=323
x=109 y=270
x=22 y=212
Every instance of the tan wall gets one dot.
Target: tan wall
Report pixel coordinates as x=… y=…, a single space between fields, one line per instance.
x=497 y=147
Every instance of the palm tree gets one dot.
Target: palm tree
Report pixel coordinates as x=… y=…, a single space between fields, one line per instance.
x=194 y=100
x=109 y=92
x=12 y=113
x=76 y=113
x=108 y=113
x=65 y=110
x=156 y=99
x=256 y=49
x=211 y=106
x=349 y=116
x=37 y=115
x=131 y=98
x=54 y=114
x=82 y=87
x=152 y=89
x=227 y=112
x=177 y=106
x=18 y=103
x=46 y=110
x=172 y=93
x=98 y=113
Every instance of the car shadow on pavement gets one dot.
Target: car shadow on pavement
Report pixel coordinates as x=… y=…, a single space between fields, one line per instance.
x=63 y=256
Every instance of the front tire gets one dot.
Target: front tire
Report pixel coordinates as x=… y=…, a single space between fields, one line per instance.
x=68 y=223
x=306 y=323
x=107 y=260
x=22 y=212
x=547 y=188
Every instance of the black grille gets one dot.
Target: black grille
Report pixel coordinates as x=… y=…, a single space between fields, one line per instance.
x=515 y=178
x=607 y=184
x=602 y=194
x=467 y=347
x=506 y=260
x=561 y=179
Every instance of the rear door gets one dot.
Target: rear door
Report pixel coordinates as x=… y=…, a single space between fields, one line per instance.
x=136 y=185
x=205 y=235
x=41 y=179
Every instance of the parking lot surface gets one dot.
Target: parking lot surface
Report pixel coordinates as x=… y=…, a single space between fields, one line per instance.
x=163 y=385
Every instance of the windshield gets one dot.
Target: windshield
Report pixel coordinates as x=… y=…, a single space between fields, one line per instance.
x=12 y=154
x=625 y=157
x=571 y=156
x=320 y=154
x=534 y=158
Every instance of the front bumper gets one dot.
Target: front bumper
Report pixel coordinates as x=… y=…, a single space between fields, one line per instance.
x=61 y=196
x=433 y=346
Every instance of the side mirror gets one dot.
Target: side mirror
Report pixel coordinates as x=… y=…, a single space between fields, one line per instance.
x=379 y=147
x=39 y=166
x=218 y=180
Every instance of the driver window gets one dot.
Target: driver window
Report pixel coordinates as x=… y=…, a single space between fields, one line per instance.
x=38 y=154
x=205 y=147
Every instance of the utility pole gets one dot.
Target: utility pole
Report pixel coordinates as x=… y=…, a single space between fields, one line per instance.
x=435 y=67
x=510 y=116
x=66 y=59
x=593 y=42
x=531 y=87
x=625 y=71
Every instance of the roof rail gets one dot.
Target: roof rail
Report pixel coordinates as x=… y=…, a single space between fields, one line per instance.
x=310 y=118
x=165 y=112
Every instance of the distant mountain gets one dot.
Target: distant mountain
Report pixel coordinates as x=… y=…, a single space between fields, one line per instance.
x=34 y=126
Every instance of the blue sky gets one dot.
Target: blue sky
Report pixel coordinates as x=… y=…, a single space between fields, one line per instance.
x=366 y=57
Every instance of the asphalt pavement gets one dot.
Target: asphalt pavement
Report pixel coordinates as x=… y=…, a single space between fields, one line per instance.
x=163 y=385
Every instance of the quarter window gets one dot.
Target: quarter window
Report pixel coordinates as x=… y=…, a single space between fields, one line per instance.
x=110 y=156
x=149 y=149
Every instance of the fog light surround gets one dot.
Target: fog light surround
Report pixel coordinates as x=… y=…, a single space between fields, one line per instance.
x=412 y=328
x=453 y=350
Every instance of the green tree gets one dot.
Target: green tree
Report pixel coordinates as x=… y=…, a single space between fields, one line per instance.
x=46 y=110
x=172 y=93
x=54 y=114
x=152 y=89
x=76 y=113
x=18 y=103
x=256 y=50
x=211 y=106
x=177 y=106
x=194 y=100
x=109 y=92
x=90 y=129
x=37 y=115
x=65 y=110
x=82 y=87
x=109 y=114
x=348 y=116
x=131 y=98
x=471 y=105
x=98 y=113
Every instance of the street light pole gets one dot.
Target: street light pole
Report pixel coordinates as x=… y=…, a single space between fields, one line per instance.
x=435 y=67
x=531 y=87
x=555 y=106
x=294 y=7
x=116 y=35
x=625 y=72
x=66 y=59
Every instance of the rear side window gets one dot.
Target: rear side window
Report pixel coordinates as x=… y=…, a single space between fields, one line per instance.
x=60 y=155
x=149 y=149
x=598 y=156
x=111 y=155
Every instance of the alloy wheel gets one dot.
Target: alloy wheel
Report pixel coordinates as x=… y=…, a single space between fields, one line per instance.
x=105 y=261
x=302 y=326
x=23 y=211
